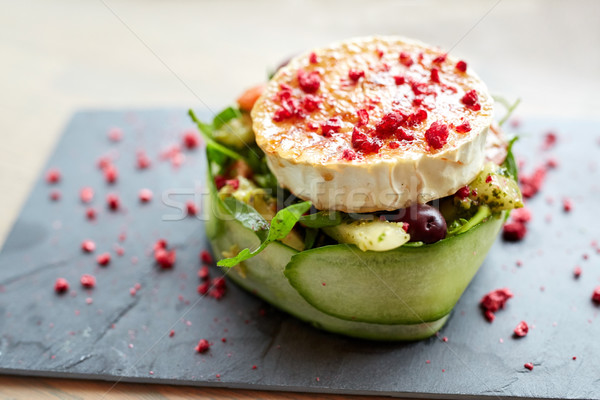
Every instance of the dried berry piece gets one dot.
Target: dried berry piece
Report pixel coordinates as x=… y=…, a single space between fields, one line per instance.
x=311 y=103
x=437 y=135
x=348 y=155
x=55 y=195
x=86 y=194
x=494 y=301
x=529 y=366
x=417 y=118
x=364 y=143
x=165 y=258
x=190 y=139
x=309 y=82
x=521 y=215
x=463 y=128
x=567 y=205
x=61 y=285
x=514 y=231
x=145 y=195
x=88 y=281
x=203 y=346
x=103 y=259
x=521 y=329
x=88 y=246
x=110 y=173
x=206 y=257
x=331 y=126
x=461 y=66
x=531 y=185
x=406 y=59
x=53 y=176
x=435 y=75
x=389 y=123
x=471 y=100
x=142 y=160
x=463 y=192
x=399 y=80
x=577 y=272
x=440 y=59
x=355 y=74
x=363 y=117
x=203 y=273
x=203 y=288
x=115 y=134
x=113 y=202
x=596 y=295
x=90 y=213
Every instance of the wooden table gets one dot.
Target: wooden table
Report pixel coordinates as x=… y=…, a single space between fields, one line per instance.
x=65 y=55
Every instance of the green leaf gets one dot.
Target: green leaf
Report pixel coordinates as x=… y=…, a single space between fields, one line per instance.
x=247 y=215
x=206 y=131
x=509 y=163
x=321 y=219
x=482 y=213
x=281 y=225
x=310 y=237
x=225 y=116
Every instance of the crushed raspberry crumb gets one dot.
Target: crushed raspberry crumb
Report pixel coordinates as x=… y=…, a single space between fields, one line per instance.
x=461 y=66
x=403 y=135
x=309 y=82
x=363 y=143
x=191 y=208
x=88 y=246
x=86 y=194
x=142 y=160
x=363 y=117
x=115 y=134
x=355 y=74
x=437 y=135
x=311 y=103
x=202 y=346
x=53 y=176
x=145 y=195
x=596 y=295
x=165 y=258
x=206 y=257
x=389 y=123
x=190 y=139
x=203 y=273
x=577 y=272
x=88 y=281
x=224 y=340
x=113 y=202
x=406 y=59
x=435 y=75
x=394 y=145
x=103 y=259
x=332 y=125
x=61 y=285
x=529 y=366
x=55 y=195
x=531 y=185
x=348 y=155
x=254 y=367
x=399 y=80
x=171 y=333
x=90 y=213
x=494 y=301
x=110 y=174
x=312 y=58
x=567 y=205
x=521 y=214
x=521 y=329
x=463 y=128
x=514 y=231
x=550 y=140
x=471 y=100
x=440 y=59
x=203 y=288
x=463 y=192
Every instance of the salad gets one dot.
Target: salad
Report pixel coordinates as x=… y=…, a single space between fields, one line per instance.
x=361 y=187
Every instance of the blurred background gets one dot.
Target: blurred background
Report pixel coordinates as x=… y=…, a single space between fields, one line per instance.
x=63 y=55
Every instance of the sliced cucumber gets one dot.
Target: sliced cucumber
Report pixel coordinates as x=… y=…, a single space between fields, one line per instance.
x=408 y=285
x=264 y=276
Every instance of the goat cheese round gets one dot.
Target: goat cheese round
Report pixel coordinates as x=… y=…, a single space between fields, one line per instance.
x=373 y=124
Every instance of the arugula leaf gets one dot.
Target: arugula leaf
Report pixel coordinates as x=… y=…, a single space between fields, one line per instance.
x=509 y=163
x=247 y=215
x=207 y=133
x=225 y=116
x=281 y=225
x=321 y=219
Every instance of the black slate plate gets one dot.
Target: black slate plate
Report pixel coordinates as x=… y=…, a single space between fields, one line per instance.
x=125 y=337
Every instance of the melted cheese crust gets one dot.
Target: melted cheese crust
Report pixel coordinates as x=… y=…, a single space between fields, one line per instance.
x=316 y=166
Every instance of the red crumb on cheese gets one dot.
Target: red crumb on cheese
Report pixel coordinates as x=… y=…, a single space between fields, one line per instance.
x=399 y=79
x=494 y=301
x=363 y=143
x=463 y=128
x=309 y=82
x=348 y=155
x=437 y=135
x=312 y=58
x=440 y=59
x=363 y=117
x=61 y=285
x=53 y=175
x=88 y=246
x=202 y=346
x=331 y=126
x=521 y=329
x=471 y=100
x=355 y=74
x=435 y=75
x=311 y=103
x=88 y=281
x=406 y=59
x=190 y=139
x=103 y=259
x=461 y=66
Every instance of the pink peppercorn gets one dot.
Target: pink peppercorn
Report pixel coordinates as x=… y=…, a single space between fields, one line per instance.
x=103 y=259
x=61 y=285
x=53 y=175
